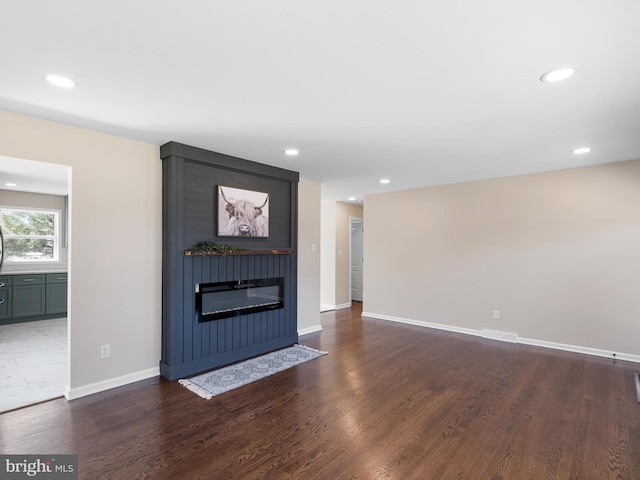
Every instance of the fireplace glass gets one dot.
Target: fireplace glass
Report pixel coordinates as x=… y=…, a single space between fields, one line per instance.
x=229 y=299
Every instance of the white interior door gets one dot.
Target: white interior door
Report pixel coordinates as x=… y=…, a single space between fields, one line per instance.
x=357 y=234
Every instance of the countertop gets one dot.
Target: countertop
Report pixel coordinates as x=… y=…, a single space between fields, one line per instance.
x=34 y=272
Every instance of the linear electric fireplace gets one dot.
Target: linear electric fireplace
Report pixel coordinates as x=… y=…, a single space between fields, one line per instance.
x=229 y=299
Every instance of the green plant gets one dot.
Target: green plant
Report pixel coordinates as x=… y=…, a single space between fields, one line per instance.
x=213 y=247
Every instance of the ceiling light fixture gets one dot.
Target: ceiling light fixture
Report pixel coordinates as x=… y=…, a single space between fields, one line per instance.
x=292 y=152
x=558 y=75
x=352 y=199
x=581 y=150
x=60 y=81
x=11 y=184
x=385 y=180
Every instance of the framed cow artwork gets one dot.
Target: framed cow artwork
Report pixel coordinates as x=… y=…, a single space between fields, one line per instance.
x=242 y=213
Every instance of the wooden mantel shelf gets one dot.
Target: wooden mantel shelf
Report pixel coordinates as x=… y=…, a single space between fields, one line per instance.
x=193 y=253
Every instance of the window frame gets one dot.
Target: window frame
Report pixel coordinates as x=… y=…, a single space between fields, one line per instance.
x=56 y=237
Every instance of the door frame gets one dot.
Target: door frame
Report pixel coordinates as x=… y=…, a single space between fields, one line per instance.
x=352 y=221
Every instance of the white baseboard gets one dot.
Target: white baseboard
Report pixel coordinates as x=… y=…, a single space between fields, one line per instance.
x=78 y=392
x=596 y=352
x=325 y=307
x=420 y=323
x=501 y=336
x=511 y=338
x=307 y=330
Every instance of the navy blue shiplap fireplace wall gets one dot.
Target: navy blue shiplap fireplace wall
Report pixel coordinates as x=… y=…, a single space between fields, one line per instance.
x=190 y=180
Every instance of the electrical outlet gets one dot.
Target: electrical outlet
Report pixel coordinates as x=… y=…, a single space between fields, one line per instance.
x=105 y=351
x=313 y=247
x=496 y=314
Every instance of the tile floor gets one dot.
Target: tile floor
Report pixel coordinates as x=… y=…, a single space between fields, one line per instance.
x=33 y=362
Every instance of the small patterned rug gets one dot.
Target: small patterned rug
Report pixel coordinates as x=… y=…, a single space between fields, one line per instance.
x=213 y=383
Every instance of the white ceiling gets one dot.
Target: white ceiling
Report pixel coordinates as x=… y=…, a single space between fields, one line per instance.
x=32 y=176
x=421 y=92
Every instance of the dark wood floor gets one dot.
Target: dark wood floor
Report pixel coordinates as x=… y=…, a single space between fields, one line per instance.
x=389 y=401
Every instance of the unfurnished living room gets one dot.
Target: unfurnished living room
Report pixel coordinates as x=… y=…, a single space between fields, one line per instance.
x=320 y=240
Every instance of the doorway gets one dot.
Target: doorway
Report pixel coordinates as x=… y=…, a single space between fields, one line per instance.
x=34 y=344
x=356 y=254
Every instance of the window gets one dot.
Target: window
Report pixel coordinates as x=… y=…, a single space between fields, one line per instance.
x=30 y=235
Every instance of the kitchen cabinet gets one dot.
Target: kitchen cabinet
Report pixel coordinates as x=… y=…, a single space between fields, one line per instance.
x=56 y=293
x=33 y=297
x=28 y=295
x=5 y=297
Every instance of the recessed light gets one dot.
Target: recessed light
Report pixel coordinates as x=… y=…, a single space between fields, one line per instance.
x=385 y=180
x=558 y=74
x=11 y=184
x=292 y=152
x=581 y=150
x=352 y=199
x=60 y=81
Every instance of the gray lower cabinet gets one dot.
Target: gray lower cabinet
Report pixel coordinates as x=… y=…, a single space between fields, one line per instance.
x=5 y=297
x=38 y=296
x=56 y=293
x=5 y=303
x=28 y=295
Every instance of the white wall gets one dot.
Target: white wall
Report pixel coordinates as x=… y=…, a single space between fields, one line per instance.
x=309 y=246
x=115 y=246
x=557 y=253
x=328 y=256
